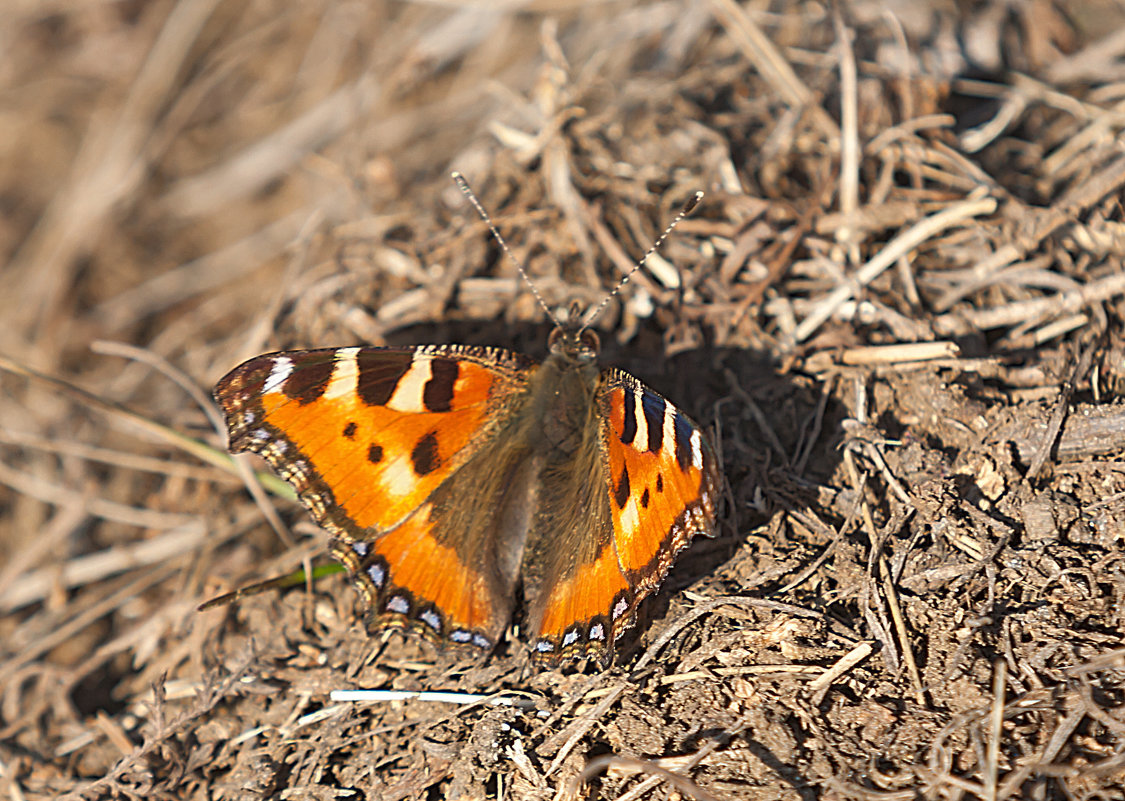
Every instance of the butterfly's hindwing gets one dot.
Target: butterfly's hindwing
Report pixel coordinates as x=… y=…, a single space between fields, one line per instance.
x=571 y=574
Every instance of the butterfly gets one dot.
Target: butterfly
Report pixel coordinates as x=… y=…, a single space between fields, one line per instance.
x=455 y=479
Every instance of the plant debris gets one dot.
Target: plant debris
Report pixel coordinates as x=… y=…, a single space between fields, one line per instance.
x=898 y=308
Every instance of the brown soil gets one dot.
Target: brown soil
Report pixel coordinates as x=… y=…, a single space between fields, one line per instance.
x=899 y=309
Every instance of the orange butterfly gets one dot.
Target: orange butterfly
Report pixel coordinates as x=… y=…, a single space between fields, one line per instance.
x=453 y=477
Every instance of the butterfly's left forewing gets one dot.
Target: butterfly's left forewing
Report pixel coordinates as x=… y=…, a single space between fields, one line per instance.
x=367 y=436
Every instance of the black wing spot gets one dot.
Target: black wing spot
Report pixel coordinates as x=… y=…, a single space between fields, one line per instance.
x=621 y=494
x=424 y=457
x=437 y=395
x=310 y=377
x=375 y=454
x=349 y=430
x=644 y=498
x=379 y=374
x=660 y=482
x=682 y=427
x=629 y=428
x=653 y=408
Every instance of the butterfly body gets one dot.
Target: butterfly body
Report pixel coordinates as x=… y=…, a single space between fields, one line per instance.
x=451 y=478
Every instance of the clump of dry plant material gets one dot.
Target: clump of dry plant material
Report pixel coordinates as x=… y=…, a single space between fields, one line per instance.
x=899 y=308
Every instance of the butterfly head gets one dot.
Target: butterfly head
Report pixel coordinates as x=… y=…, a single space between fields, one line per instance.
x=572 y=341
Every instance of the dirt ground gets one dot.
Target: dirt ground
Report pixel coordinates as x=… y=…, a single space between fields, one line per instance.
x=898 y=310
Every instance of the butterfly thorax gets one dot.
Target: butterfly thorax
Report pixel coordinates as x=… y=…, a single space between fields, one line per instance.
x=561 y=396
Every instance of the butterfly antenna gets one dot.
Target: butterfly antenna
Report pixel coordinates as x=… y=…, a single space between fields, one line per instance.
x=463 y=185
x=687 y=209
